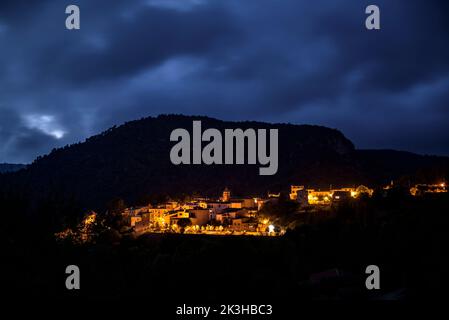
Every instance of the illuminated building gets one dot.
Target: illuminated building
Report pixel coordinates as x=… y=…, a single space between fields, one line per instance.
x=421 y=189
x=342 y=195
x=226 y=195
x=363 y=190
x=200 y=217
x=325 y=197
x=294 y=192
x=274 y=195
x=134 y=219
x=318 y=197
x=157 y=211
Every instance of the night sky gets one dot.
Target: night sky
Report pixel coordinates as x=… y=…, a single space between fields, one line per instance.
x=308 y=62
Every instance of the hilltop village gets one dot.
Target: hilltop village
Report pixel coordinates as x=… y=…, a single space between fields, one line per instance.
x=240 y=216
x=229 y=215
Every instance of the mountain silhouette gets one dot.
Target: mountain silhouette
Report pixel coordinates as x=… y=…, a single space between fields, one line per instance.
x=132 y=162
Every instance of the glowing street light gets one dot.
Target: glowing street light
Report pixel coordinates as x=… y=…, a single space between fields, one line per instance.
x=270 y=228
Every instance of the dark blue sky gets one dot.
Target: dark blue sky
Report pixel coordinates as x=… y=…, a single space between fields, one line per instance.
x=278 y=61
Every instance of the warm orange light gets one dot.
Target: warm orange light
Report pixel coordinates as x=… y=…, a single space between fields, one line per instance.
x=90 y=219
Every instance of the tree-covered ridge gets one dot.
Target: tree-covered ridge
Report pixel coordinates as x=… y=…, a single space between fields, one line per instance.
x=132 y=162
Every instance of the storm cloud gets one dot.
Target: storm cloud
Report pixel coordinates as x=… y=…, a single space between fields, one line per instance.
x=276 y=61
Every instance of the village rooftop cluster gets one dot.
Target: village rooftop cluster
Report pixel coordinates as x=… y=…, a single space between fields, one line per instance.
x=240 y=216
x=227 y=215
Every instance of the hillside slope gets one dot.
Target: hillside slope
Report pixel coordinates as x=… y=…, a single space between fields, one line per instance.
x=132 y=162
x=11 y=167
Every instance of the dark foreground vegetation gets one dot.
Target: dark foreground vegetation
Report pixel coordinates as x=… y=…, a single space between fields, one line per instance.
x=323 y=257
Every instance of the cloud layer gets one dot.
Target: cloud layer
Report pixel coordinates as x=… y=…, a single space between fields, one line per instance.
x=276 y=61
